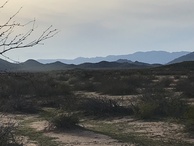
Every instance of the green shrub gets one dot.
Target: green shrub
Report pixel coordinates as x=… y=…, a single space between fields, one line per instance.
x=165 y=82
x=146 y=110
x=113 y=82
x=123 y=84
x=190 y=119
x=176 y=106
x=63 y=121
x=160 y=104
x=186 y=86
x=49 y=87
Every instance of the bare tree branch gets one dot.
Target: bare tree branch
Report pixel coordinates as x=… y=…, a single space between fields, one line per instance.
x=10 y=41
x=4 y=4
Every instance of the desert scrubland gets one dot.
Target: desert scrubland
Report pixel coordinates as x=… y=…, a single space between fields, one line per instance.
x=135 y=107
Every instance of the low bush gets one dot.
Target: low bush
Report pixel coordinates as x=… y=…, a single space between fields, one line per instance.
x=19 y=104
x=123 y=84
x=49 y=87
x=7 y=137
x=165 y=82
x=103 y=107
x=63 y=121
x=112 y=82
x=162 y=104
x=186 y=86
x=189 y=116
x=146 y=110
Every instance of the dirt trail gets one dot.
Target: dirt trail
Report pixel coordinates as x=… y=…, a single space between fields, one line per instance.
x=66 y=138
x=83 y=138
x=77 y=137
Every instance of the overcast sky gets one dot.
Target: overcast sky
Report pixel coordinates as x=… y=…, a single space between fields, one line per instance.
x=90 y=28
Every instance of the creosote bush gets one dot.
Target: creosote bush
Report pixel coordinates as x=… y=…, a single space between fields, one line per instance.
x=63 y=121
x=112 y=82
x=186 y=86
x=160 y=104
x=189 y=116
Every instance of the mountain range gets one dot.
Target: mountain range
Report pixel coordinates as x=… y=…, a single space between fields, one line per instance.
x=151 y=57
x=35 y=66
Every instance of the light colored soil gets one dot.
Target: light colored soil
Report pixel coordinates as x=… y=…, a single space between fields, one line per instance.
x=68 y=138
x=83 y=138
x=157 y=130
x=26 y=141
x=41 y=125
x=77 y=137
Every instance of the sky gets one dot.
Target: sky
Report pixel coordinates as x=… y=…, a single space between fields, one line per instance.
x=90 y=28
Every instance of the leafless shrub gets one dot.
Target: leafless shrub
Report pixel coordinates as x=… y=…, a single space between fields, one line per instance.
x=7 y=132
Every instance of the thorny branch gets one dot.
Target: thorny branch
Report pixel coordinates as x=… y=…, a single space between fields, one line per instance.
x=10 y=41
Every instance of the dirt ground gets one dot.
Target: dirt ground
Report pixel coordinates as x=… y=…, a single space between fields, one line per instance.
x=153 y=130
x=156 y=130
x=77 y=137
x=66 y=138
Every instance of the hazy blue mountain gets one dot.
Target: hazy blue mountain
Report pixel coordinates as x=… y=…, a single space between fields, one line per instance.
x=124 y=61
x=151 y=57
x=188 y=57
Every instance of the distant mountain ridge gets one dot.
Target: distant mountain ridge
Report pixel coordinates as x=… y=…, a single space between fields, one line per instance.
x=120 y=63
x=150 y=57
x=187 y=57
x=35 y=66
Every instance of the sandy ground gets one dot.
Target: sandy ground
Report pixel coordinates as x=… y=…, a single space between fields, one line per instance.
x=77 y=137
x=156 y=130
x=153 y=130
x=67 y=138
x=85 y=138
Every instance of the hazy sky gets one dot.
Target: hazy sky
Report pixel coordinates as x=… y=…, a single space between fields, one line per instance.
x=91 y=28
